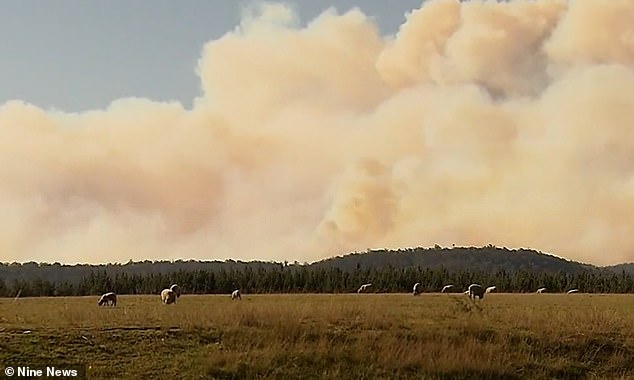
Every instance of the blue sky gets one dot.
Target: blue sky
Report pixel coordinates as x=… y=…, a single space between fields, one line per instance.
x=75 y=55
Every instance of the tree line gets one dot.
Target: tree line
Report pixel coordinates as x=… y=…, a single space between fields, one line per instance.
x=284 y=278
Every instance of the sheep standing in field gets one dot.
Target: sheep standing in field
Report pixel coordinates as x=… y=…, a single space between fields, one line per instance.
x=417 y=289
x=236 y=295
x=363 y=288
x=490 y=289
x=446 y=288
x=572 y=291
x=168 y=296
x=475 y=290
x=108 y=299
x=176 y=289
x=541 y=290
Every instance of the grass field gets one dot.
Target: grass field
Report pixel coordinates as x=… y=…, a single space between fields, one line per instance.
x=369 y=336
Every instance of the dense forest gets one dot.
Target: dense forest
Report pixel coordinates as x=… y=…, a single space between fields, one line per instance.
x=388 y=271
x=285 y=279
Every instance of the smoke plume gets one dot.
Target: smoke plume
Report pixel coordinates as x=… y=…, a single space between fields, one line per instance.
x=479 y=122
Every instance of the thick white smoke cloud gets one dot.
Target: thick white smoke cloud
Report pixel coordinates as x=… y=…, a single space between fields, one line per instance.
x=479 y=122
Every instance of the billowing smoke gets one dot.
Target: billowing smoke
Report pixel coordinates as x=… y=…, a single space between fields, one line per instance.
x=478 y=123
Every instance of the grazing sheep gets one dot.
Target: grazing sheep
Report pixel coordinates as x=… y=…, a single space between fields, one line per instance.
x=446 y=288
x=108 y=299
x=168 y=296
x=176 y=289
x=236 y=295
x=363 y=288
x=475 y=290
x=490 y=289
x=417 y=289
x=541 y=290
x=571 y=291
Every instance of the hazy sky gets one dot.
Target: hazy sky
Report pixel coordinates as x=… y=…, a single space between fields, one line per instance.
x=76 y=55
x=165 y=130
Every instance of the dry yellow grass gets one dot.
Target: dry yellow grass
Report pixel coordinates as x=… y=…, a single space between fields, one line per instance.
x=368 y=336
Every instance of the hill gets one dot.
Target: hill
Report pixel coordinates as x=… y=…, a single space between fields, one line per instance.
x=489 y=259
x=627 y=268
x=484 y=259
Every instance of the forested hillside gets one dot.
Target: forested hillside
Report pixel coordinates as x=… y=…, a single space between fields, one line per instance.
x=627 y=268
x=486 y=259
x=388 y=271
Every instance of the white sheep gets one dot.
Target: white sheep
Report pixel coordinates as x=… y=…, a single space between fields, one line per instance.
x=571 y=291
x=364 y=287
x=490 y=289
x=168 y=296
x=236 y=295
x=541 y=290
x=176 y=289
x=446 y=288
x=475 y=290
x=417 y=289
x=108 y=299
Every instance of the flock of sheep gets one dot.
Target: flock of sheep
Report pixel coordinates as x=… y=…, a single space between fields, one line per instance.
x=169 y=296
x=473 y=291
